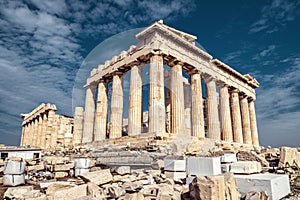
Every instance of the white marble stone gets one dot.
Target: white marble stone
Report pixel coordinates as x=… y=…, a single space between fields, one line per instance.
x=203 y=166
x=176 y=176
x=174 y=165
x=228 y=158
x=245 y=167
x=276 y=186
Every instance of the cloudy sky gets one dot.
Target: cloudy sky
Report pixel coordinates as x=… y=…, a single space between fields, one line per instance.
x=43 y=44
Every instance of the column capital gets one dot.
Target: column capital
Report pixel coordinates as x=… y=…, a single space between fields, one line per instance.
x=234 y=90
x=208 y=78
x=250 y=99
x=174 y=62
x=118 y=73
x=194 y=71
x=157 y=52
x=222 y=84
x=92 y=86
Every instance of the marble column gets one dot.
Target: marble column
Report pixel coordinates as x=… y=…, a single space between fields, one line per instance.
x=253 y=125
x=44 y=130
x=177 y=100
x=245 y=120
x=35 y=132
x=187 y=107
x=226 y=127
x=51 y=131
x=135 y=101
x=40 y=131
x=156 y=96
x=78 y=125
x=213 y=123
x=116 y=110
x=29 y=135
x=101 y=112
x=198 y=129
x=89 y=113
x=236 y=117
x=23 y=135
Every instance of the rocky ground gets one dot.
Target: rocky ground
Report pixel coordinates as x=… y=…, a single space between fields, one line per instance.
x=125 y=172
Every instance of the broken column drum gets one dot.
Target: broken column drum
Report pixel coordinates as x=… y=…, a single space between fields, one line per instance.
x=230 y=95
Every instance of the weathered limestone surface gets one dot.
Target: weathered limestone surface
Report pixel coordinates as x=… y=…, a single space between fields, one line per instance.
x=135 y=101
x=88 y=124
x=156 y=96
x=245 y=120
x=245 y=167
x=253 y=124
x=276 y=186
x=116 y=111
x=98 y=177
x=225 y=116
x=197 y=106
x=289 y=157
x=101 y=112
x=208 y=187
x=212 y=110
x=177 y=100
x=236 y=117
x=78 y=125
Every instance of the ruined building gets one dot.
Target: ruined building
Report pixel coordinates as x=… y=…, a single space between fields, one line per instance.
x=175 y=102
x=44 y=128
x=230 y=96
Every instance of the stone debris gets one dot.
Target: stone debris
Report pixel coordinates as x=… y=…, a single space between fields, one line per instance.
x=98 y=177
x=289 y=157
x=276 y=186
x=245 y=167
x=203 y=166
x=23 y=192
x=56 y=177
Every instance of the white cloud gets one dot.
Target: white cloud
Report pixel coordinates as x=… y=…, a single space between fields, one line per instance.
x=275 y=16
x=41 y=47
x=265 y=53
x=278 y=105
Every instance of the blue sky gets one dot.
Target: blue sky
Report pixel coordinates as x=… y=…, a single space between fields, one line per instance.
x=44 y=43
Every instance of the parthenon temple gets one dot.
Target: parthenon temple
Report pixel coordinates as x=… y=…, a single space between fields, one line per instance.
x=44 y=128
x=180 y=73
x=229 y=114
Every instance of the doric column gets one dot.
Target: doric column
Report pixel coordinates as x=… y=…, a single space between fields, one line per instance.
x=245 y=120
x=253 y=125
x=156 y=96
x=78 y=125
x=89 y=113
x=101 y=112
x=226 y=127
x=236 y=117
x=29 y=134
x=135 y=101
x=116 y=110
x=23 y=135
x=40 y=131
x=177 y=100
x=213 y=123
x=35 y=132
x=44 y=130
x=197 y=106
x=187 y=107
x=51 y=131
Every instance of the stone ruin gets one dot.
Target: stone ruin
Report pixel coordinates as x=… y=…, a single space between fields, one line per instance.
x=230 y=112
x=222 y=161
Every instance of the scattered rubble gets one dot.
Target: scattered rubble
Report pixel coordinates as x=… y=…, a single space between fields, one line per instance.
x=80 y=173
